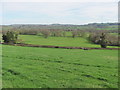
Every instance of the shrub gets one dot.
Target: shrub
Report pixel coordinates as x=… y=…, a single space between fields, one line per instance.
x=56 y=33
x=64 y=33
x=74 y=34
x=104 y=38
x=45 y=33
x=10 y=37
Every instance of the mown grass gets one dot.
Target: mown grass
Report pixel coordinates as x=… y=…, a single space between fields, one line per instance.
x=28 y=67
x=58 y=41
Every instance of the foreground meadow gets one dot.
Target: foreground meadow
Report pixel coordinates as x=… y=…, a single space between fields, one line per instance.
x=30 y=67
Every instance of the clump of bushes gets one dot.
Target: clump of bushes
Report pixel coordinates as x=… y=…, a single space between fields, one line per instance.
x=74 y=34
x=78 y=33
x=10 y=37
x=104 y=39
x=28 y=32
x=45 y=33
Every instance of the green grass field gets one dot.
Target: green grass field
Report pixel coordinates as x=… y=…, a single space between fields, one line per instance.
x=0 y=66
x=58 y=41
x=28 y=67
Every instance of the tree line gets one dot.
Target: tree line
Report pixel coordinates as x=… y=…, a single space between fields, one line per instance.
x=98 y=37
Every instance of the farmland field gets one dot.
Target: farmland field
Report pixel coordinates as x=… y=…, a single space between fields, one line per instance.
x=59 y=45
x=58 y=41
x=30 y=67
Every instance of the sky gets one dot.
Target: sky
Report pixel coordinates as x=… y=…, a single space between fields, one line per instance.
x=64 y=12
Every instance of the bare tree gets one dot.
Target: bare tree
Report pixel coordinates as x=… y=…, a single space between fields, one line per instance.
x=74 y=34
x=45 y=33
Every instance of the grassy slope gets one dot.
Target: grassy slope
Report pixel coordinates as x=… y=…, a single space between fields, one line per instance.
x=57 y=41
x=28 y=67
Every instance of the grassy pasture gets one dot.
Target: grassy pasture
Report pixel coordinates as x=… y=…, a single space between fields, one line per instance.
x=58 y=41
x=28 y=67
x=114 y=34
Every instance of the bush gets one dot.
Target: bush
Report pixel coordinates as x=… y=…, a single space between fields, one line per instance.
x=107 y=39
x=74 y=34
x=103 y=40
x=56 y=32
x=28 y=32
x=45 y=33
x=10 y=37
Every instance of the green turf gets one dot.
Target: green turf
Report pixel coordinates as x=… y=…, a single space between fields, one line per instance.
x=58 y=41
x=30 y=67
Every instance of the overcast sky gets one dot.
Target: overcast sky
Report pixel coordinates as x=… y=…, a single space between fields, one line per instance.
x=58 y=12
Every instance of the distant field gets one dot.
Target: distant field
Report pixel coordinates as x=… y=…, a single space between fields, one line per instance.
x=114 y=34
x=28 y=67
x=58 y=41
